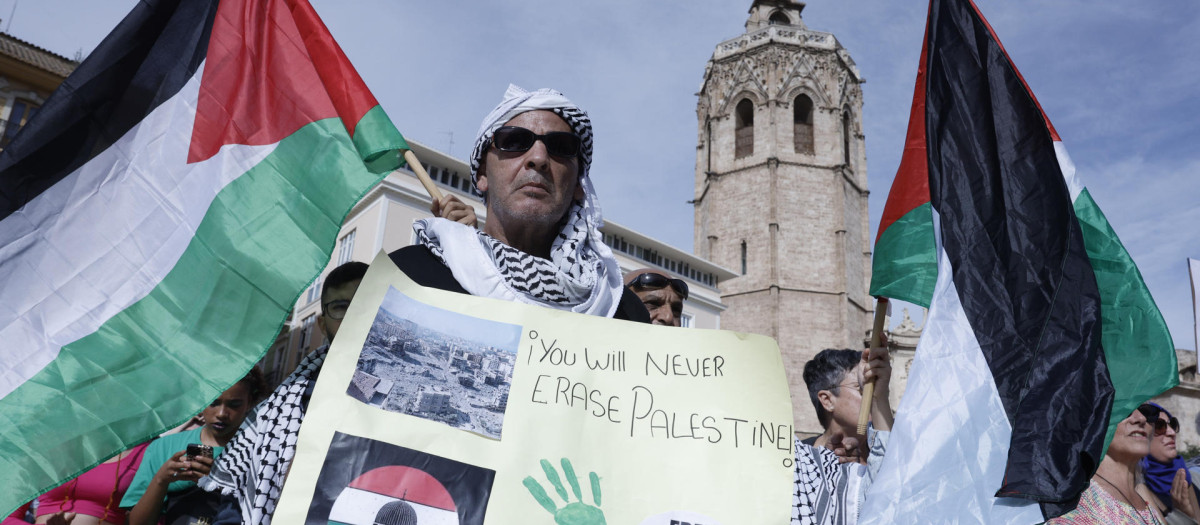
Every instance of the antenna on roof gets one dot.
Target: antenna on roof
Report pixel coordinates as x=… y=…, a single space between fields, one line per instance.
x=450 y=146
x=11 y=15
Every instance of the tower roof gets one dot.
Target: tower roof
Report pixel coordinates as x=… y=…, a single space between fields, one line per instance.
x=774 y=12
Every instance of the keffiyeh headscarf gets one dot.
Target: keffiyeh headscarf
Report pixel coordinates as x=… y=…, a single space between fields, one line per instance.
x=580 y=276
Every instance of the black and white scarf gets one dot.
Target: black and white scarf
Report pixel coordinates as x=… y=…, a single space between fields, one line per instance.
x=827 y=492
x=255 y=463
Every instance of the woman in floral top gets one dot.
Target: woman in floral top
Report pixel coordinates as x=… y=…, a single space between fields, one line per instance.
x=1112 y=497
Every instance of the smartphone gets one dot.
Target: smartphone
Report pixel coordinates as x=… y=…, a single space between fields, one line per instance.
x=195 y=450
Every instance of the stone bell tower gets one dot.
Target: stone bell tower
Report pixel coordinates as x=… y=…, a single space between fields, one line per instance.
x=781 y=189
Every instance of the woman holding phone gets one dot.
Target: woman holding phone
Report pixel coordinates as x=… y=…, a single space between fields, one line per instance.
x=165 y=483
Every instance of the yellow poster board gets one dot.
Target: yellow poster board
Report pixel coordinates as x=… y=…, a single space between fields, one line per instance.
x=449 y=408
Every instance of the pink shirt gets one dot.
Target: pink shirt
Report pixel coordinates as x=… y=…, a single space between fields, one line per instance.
x=96 y=492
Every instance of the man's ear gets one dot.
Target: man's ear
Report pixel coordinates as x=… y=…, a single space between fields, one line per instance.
x=826 y=399
x=481 y=175
x=321 y=325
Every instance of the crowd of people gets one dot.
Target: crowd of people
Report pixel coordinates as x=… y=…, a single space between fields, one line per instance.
x=541 y=245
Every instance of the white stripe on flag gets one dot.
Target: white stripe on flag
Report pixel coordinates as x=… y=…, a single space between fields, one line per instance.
x=1067 y=166
x=949 y=445
x=103 y=237
x=360 y=507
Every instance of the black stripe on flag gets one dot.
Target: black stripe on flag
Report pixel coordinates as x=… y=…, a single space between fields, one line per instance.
x=1024 y=279
x=145 y=61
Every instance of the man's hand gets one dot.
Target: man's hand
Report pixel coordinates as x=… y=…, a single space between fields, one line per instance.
x=449 y=207
x=847 y=449
x=1183 y=496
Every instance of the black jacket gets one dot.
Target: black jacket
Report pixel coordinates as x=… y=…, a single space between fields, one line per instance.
x=419 y=264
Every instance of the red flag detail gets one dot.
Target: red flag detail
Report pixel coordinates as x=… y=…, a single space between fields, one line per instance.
x=272 y=68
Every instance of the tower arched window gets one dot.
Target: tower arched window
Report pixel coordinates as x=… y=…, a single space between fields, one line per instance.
x=802 y=124
x=743 y=257
x=744 y=129
x=778 y=18
x=846 y=137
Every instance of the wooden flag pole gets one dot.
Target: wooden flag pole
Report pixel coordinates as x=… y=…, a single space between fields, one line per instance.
x=422 y=175
x=864 y=413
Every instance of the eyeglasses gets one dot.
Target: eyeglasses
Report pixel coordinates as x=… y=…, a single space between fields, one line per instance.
x=515 y=139
x=1160 y=427
x=335 y=310
x=855 y=385
x=655 y=281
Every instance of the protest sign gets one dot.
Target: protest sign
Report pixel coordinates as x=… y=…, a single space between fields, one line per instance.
x=449 y=408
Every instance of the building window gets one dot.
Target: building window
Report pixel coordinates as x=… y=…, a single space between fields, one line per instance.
x=314 y=291
x=846 y=137
x=744 y=130
x=686 y=321
x=306 y=328
x=743 y=257
x=802 y=124
x=21 y=113
x=778 y=18
x=347 y=248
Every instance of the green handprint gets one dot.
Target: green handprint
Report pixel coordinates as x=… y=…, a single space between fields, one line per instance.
x=577 y=513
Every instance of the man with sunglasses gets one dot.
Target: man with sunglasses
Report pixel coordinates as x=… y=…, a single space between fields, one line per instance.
x=1166 y=475
x=251 y=472
x=662 y=295
x=541 y=242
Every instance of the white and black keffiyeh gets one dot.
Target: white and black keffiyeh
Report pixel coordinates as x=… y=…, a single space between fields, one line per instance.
x=830 y=493
x=255 y=463
x=581 y=275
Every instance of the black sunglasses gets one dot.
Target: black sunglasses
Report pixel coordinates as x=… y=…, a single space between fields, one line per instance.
x=1160 y=427
x=655 y=281
x=514 y=139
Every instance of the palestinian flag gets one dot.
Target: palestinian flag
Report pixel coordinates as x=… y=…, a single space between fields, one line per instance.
x=1041 y=334
x=161 y=215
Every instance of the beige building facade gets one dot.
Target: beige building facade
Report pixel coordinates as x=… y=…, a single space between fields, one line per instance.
x=781 y=189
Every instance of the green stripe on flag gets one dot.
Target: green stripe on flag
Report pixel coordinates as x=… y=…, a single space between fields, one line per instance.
x=1137 y=345
x=378 y=142
x=152 y=366
x=905 y=261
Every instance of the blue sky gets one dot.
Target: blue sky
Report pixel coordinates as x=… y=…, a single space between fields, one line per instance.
x=1119 y=80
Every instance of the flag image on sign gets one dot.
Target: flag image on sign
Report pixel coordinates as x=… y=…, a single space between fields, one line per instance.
x=160 y=216
x=1041 y=334
x=394 y=495
x=364 y=481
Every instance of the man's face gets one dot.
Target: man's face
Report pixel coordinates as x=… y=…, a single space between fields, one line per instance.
x=333 y=309
x=530 y=188
x=845 y=400
x=664 y=304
